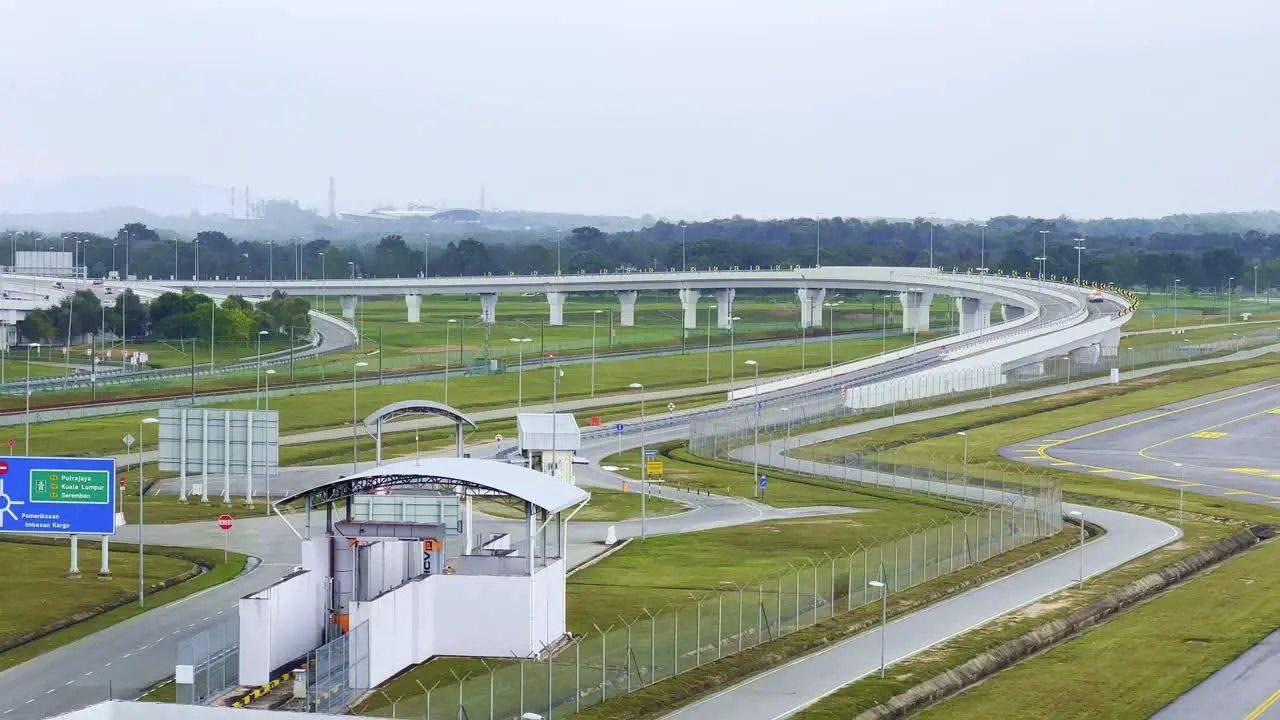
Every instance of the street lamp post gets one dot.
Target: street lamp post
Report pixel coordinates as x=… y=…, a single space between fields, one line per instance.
x=831 y=331
x=355 y=437
x=1044 y=251
x=1182 y=485
x=257 y=381
x=323 y=283
x=1080 y=516
x=884 y=328
x=755 y=449
x=142 y=493
x=1079 y=248
x=644 y=467
x=684 y=264
x=1230 y=287
x=594 y=314
x=884 y=615
x=1175 y=301
x=266 y=390
x=964 y=466
x=520 y=371
x=449 y=323
x=26 y=443
x=733 y=374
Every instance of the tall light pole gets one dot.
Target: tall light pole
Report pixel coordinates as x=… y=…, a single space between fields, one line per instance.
x=323 y=282
x=644 y=467
x=1255 y=282
x=964 y=467
x=1079 y=248
x=266 y=394
x=831 y=322
x=1175 y=301
x=755 y=449
x=733 y=375
x=884 y=329
x=142 y=494
x=594 y=314
x=257 y=384
x=195 y=244
x=355 y=437
x=1182 y=484
x=1080 y=516
x=1044 y=251
x=360 y=329
x=448 y=324
x=982 y=252
x=931 y=244
x=884 y=614
x=1230 y=286
x=817 y=234
x=426 y=256
x=26 y=443
x=684 y=249
x=520 y=371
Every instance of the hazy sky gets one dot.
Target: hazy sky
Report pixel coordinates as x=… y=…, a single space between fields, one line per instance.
x=694 y=108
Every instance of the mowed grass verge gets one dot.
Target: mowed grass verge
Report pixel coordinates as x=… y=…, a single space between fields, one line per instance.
x=39 y=594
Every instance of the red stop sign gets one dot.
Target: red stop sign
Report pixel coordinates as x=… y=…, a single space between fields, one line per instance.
x=224 y=522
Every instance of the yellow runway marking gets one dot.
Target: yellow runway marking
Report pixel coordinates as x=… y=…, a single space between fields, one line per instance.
x=1266 y=705
x=1274 y=411
x=1062 y=464
x=1208 y=435
x=1099 y=469
x=1237 y=492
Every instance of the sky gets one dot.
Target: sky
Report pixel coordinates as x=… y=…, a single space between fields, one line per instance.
x=710 y=108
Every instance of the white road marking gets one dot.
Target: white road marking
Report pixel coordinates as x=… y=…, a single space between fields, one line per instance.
x=88 y=673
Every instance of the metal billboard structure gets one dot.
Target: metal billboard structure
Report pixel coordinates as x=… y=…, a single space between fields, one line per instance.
x=57 y=496
x=211 y=443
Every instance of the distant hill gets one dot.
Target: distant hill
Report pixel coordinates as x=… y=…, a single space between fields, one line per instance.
x=160 y=194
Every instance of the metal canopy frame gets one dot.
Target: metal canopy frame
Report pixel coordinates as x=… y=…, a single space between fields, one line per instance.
x=347 y=487
x=387 y=413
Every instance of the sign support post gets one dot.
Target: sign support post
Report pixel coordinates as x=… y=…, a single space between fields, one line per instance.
x=74 y=572
x=104 y=570
x=224 y=524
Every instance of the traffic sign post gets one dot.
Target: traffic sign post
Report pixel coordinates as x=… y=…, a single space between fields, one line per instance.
x=57 y=496
x=224 y=524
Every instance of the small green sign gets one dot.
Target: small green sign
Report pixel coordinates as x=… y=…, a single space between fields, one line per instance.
x=71 y=486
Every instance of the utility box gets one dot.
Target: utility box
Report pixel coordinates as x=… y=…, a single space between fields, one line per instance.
x=300 y=683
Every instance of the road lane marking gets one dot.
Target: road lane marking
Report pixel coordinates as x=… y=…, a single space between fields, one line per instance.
x=1208 y=434
x=1266 y=705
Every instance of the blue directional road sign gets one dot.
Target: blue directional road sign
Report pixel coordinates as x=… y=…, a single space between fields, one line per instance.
x=764 y=482
x=619 y=428
x=651 y=453
x=57 y=496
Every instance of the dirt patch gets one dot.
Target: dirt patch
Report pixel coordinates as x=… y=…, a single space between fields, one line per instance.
x=426 y=349
x=781 y=312
x=858 y=316
x=829 y=521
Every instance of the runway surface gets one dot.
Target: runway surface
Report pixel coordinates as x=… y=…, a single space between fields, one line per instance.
x=1226 y=445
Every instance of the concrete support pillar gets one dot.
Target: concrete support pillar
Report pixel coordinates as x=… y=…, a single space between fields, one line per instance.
x=556 y=301
x=974 y=314
x=811 y=306
x=1012 y=312
x=414 y=303
x=74 y=572
x=348 y=307
x=104 y=570
x=627 y=299
x=1109 y=344
x=1087 y=354
x=488 y=308
x=915 y=310
x=724 y=308
x=689 y=301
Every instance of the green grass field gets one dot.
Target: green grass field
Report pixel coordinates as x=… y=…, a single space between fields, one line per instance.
x=1142 y=660
x=38 y=592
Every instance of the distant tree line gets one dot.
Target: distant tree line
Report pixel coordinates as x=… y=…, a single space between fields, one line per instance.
x=1205 y=259
x=171 y=316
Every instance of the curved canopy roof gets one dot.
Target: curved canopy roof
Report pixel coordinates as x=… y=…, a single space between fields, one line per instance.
x=415 y=407
x=478 y=477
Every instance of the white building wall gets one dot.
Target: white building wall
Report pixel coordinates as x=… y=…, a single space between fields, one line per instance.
x=481 y=615
x=283 y=622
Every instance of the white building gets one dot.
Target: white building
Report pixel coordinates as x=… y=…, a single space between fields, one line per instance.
x=549 y=442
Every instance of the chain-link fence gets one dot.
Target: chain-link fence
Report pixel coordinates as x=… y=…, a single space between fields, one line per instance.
x=208 y=663
x=664 y=642
x=338 y=672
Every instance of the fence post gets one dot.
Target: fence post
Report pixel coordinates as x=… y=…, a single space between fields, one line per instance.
x=719 y=624
x=577 y=675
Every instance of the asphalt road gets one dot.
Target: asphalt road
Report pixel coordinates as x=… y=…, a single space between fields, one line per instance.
x=1223 y=444
x=1226 y=444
